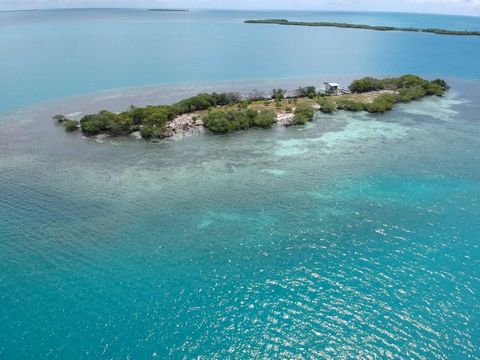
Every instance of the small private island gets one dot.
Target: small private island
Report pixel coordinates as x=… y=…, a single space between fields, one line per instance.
x=221 y=113
x=364 y=27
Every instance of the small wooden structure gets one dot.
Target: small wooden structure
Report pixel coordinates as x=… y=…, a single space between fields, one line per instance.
x=331 y=88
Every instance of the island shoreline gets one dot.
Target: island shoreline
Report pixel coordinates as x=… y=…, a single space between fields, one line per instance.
x=286 y=22
x=228 y=111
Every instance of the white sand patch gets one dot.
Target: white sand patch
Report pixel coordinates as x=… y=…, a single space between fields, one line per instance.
x=100 y=138
x=74 y=114
x=275 y=172
x=136 y=135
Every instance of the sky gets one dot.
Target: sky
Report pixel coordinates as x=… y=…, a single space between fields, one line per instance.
x=465 y=7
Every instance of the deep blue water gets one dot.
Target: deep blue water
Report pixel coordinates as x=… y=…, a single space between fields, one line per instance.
x=356 y=236
x=51 y=54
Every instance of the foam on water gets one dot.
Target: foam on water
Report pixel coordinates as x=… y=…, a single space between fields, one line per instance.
x=275 y=172
x=74 y=115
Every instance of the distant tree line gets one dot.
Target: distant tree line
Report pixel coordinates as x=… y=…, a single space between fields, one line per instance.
x=365 y=27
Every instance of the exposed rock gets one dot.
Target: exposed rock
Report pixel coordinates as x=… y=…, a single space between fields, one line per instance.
x=284 y=118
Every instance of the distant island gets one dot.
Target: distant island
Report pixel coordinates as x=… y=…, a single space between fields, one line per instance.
x=365 y=27
x=24 y=10
x=168 y=10
x=225 y=112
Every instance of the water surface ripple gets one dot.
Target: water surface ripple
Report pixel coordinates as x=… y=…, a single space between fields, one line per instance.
x=354 y=236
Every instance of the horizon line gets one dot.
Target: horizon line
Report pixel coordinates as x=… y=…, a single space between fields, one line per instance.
x=238 y=9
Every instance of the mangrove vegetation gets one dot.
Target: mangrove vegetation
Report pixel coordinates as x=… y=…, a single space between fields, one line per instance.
x=221 y=113
x=364 y=27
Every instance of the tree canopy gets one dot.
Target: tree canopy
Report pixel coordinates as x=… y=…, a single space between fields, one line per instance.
x=220 y=122
x=303 y=114
x=367 y=84
x=307 y=91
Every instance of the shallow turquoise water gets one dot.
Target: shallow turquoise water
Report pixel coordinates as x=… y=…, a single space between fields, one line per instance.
x=354 y=236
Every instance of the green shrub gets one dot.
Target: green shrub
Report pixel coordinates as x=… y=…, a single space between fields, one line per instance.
x=243 y=105
x=121 y=124
x=300 y=119
x=149 y=131
x=366 y=84
x=238 y=120
x=220 y=122
x=303 y=114
x=410 y=81
x=350 y=105
x=109 y=122
x=326 y=105
x=442 y=83
x=217 y=122
x=435 y=89
x=265 y=118
x=139 y=115
x=411 y=94
x=251 y=115
x=205 y=101
x=278 y=94
x=382 y=103
x=60 y=118
x=97 y=123
x=70 y=125
x=308 y=91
